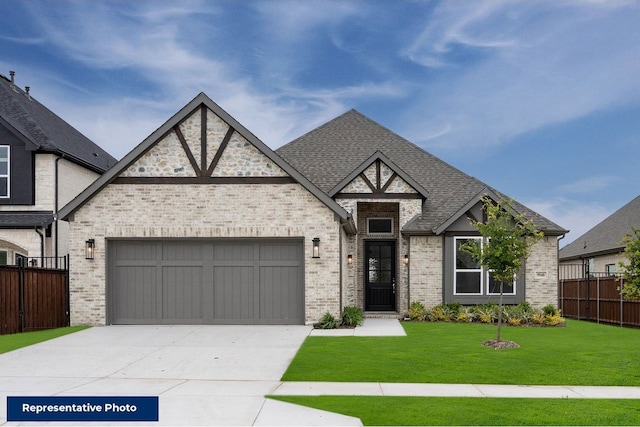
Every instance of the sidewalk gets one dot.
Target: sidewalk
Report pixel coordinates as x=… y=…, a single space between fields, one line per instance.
x=452 y=390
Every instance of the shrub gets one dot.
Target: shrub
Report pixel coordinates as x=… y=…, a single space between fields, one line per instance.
x=553 y=319
x=537 y=317
x=486 y=313
x=464 y=316
x=440 y=313
x=514 y=315
x=327 y=321
x=550 y=310
x=455 y=308
x=352 y=316
x=417 y=311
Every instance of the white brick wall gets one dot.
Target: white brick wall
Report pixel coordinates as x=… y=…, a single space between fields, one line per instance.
x=426 y=269
x=541 y=273
x=203 y=211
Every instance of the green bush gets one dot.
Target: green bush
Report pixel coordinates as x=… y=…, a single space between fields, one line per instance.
x=514 y=315
x=327 y=321
x=550 y=310
x=417 y=312
x=440 y=313
x=352 y=316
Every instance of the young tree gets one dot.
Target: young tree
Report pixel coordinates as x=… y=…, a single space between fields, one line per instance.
x=631 y=269
x=507 y=241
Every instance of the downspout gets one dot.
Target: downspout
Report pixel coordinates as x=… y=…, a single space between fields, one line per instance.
x=41 y=244
x=560 y=282
x=56 y=207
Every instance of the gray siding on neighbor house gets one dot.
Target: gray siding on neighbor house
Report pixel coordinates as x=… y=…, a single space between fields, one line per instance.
x=206 y=282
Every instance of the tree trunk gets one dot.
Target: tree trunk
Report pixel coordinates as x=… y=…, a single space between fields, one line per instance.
x=500 y=313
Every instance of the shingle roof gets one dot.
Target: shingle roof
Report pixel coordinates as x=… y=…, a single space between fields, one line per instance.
x=606 y=236
x=25 y=219
x=35 y=123
x=329 y=153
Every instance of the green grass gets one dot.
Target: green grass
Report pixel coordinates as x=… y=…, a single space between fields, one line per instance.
x=465 y=411
x=581 y=353
x=15 y=341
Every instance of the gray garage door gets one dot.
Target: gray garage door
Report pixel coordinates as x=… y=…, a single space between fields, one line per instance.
x=208 y=282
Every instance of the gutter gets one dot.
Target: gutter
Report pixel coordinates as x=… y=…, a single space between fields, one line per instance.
x=41 y=244
x=56 y=198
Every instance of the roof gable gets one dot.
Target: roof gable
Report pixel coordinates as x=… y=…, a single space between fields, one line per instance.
x=201 y=143
x=40 y=128
x=606 y=236
x=379 y=177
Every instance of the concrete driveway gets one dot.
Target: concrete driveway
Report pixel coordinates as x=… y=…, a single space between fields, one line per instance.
x=203 y=375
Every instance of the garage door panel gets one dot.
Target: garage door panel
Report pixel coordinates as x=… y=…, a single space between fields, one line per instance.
x=280 y=295
x=234 y=293
x=136 y=251
x=137 y=298
x=216 y=282
x=182 y=251
x=182 y=294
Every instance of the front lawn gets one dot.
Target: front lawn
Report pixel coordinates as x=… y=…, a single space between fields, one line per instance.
x=581 y=353
x=15 y=341
x=465 y=411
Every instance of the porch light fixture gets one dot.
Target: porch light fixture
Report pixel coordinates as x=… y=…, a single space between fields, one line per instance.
x=349 y=259
x=316 y=247
x=89 y=249
x=405 y=260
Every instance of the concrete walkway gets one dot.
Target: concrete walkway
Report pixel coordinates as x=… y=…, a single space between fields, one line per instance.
x=455 y=390
x=219 y=375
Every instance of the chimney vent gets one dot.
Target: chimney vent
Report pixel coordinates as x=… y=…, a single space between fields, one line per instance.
x=13 y=75
x=26 y=90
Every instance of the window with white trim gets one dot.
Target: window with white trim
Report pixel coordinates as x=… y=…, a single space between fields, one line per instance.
x=4 y=171
x=469 y=276
x=467 y=279
x=4 y=257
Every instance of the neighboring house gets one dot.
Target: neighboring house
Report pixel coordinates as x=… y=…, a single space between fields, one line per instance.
x=598 y=251
x=44 y=163
x=203 y=223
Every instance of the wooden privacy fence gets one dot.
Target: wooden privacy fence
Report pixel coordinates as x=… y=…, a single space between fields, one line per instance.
x=597 y=299
x=33 y=298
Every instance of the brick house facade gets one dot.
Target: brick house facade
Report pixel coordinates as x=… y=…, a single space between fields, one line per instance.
x=203 y=223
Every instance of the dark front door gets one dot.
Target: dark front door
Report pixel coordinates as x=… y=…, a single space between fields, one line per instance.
x=380 y=275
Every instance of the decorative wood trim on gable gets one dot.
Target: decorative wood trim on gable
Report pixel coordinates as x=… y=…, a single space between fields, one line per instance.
x=187 y=150
x=378 y=196
x=379 y=190
x=205 y=180
x=223 y=145
x=203 y=139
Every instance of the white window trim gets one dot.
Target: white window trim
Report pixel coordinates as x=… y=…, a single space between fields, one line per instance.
x=467 y=270
x=498 y=293
x=381 y=234
x=6 y=255
x=484 y=274
x=8 y=174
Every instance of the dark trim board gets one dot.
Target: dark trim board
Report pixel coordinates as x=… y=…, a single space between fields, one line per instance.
x=205 y=180
x=378 y=195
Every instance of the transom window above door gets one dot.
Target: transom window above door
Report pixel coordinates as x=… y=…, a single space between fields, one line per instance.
x=380 y=225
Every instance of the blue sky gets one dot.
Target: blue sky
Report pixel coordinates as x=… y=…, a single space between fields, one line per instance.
x=539 y=99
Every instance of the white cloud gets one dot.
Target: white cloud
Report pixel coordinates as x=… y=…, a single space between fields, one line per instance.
x=527 y=72
x=589 y=184
x=576 y=216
